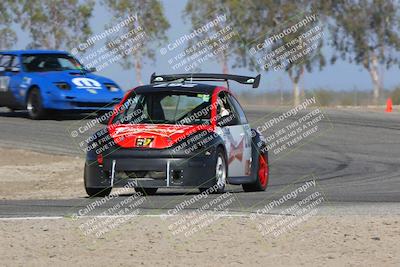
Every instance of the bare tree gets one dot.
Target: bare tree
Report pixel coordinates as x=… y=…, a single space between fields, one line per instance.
x=55 y=24
x=258 y=20
x=366 y=32
x=153 y=22
x=200 y=12
x=8 y=36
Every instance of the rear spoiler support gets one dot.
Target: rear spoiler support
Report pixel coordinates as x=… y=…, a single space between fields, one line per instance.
x=254 y=81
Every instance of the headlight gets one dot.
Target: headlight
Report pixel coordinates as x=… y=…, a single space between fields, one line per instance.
x=63 y=85
x=111 y=87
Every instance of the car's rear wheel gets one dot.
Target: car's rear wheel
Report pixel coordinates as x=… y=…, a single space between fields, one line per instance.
x=34 y=105
x=146 y=191
x=221 y=173
x=262 y=175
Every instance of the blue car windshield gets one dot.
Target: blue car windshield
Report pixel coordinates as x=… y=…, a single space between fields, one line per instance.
x=50 y=62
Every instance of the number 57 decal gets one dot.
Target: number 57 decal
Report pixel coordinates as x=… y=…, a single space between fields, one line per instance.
x=144 y=142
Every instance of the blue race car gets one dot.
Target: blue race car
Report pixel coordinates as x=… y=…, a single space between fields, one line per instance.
x=44 y=80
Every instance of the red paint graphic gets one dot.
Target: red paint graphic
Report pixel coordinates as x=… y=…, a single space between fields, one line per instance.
x=236 y=152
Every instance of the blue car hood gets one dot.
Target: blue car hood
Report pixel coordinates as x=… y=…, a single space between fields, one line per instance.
x=74 y=77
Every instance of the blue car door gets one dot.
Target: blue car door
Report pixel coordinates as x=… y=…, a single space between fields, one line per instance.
x=10 y=78
x=19 y=82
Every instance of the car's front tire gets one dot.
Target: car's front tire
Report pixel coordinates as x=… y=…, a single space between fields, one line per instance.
x=98 y=192
x=221 y=173
x=34 y=105
x=146 y=191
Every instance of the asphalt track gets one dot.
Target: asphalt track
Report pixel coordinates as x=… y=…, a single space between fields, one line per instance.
x=355 y=160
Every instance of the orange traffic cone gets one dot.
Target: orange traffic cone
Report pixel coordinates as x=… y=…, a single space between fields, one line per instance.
x=389 y=105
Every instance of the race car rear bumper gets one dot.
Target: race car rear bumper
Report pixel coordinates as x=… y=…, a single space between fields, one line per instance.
x=151 y=169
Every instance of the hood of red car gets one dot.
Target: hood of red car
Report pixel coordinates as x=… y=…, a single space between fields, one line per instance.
x=156 y=136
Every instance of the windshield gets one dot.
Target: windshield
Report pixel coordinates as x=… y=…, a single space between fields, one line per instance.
x=50 y=62
x=165 y=108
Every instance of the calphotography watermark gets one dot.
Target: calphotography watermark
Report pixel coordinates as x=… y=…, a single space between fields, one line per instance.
x=291 y=209
x=208 y=41
x=206 y=27
x=92 y=134
x=105 y=214
x=106 y=33
x=120 y=40
x=185 y=220
x=290 y=46
x=284 y=131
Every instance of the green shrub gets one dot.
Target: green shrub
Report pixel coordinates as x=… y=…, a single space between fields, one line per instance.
x=323 y=97
x=396 y=96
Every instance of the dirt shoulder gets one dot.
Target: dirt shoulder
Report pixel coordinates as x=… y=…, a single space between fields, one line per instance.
x=230 y=241
x=336 y=240
x=29 y=175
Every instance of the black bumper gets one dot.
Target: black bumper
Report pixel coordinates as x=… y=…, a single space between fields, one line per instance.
x=123 y=167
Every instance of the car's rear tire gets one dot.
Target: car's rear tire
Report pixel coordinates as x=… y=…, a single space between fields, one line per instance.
x=221 y=173
x=34 y=105
x=146 y=191
x=261 y=182
x=98 y=192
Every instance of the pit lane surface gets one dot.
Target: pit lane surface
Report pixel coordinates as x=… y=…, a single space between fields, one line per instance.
x=355 y=161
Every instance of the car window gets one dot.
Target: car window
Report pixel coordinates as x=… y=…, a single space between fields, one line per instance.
x=15 y=62
x=167 y=107
x=50 y=62
x=239 y=110
x=5 y=61
x=67 y=63
x=225 y=109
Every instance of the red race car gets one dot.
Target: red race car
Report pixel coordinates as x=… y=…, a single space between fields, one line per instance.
x=178 y=133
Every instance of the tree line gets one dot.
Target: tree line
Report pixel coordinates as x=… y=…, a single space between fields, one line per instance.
x=362 y=32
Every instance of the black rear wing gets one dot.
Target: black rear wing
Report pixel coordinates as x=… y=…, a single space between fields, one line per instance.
x=254 y=81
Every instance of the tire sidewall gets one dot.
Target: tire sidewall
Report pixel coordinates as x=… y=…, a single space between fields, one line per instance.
x=40 y=112
x=220 y=152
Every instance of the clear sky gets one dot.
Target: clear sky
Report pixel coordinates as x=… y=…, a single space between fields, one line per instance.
x=341 y=76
